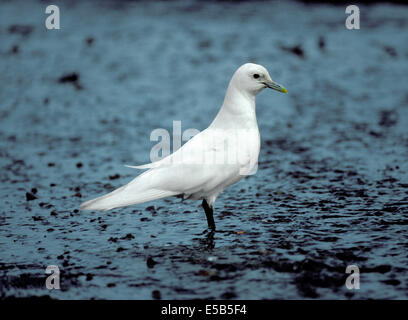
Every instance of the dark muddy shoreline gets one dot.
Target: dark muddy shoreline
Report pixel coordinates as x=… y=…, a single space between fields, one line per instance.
x=332 y=186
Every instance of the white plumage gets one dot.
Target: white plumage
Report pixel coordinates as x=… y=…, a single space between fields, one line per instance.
x=214 y=159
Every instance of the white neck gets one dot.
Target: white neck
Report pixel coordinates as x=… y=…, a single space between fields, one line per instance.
x=238 y=109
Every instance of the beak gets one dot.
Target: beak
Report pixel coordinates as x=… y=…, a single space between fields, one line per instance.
x=275 y=86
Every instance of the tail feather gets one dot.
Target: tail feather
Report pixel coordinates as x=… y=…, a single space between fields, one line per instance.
x=124 y=196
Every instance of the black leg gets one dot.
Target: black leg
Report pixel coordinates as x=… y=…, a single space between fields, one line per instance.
x=209 y=214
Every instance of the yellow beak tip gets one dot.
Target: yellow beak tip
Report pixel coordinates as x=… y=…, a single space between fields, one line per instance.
x=284 y=90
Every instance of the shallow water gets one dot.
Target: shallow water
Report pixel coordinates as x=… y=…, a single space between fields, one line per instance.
x=331 y=189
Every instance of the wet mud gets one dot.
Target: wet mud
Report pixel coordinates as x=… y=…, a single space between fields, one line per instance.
x=331 y=190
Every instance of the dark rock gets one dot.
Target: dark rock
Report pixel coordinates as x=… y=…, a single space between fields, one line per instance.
x=380 y=269
x=390 y=51
x=71 y=77
x=296 y=50
x=156 y=294
x=15 y=49
x=375 y=134
x=392 y=282
x=228 y=295
x=45 y=205
x=89 y=41
x=388 y=118
x=321 y=43
x=129 y=236
x=150 y=262
x=115 y=176
x=23 y=30
x=30 y=196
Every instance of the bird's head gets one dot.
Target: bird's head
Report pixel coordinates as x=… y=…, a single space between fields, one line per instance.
x=253 y=78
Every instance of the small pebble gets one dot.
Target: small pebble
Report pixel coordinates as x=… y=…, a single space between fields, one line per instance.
x=156 y=294
x=30 y=196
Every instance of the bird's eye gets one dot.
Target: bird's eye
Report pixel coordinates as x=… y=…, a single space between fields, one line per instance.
x=256 y=76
